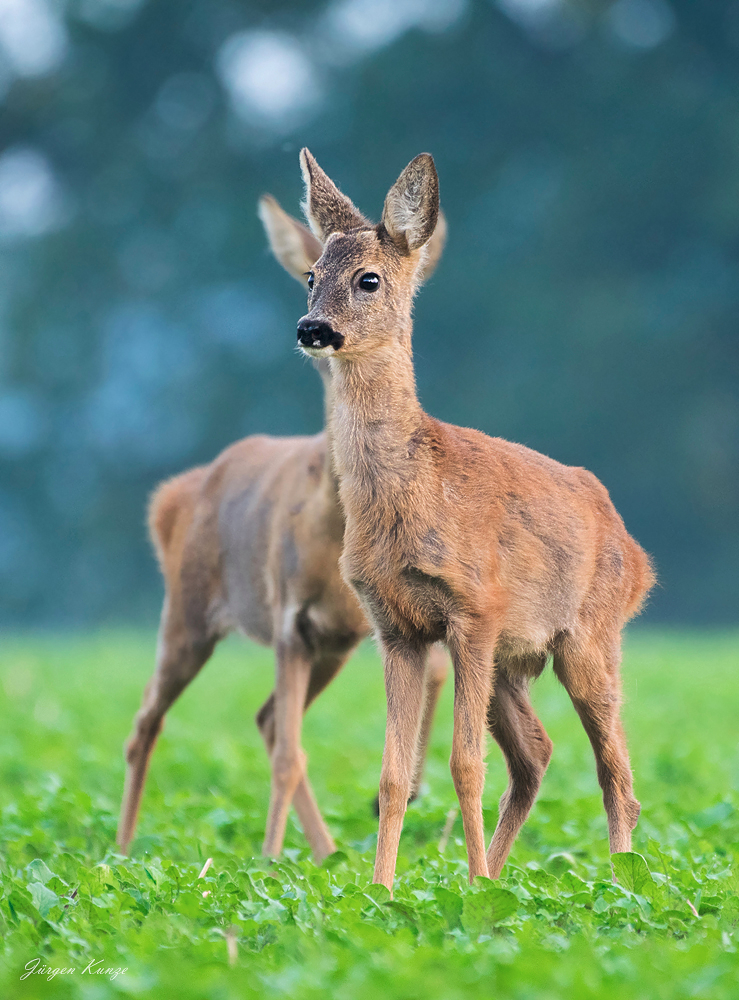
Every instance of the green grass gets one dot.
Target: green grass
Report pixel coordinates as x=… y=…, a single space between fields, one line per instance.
x=555 y=926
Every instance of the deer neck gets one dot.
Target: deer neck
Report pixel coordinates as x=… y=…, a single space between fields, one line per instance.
x=330 y=479
x=376 y=417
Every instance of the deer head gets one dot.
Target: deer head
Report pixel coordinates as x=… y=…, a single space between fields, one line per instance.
x=361 y=287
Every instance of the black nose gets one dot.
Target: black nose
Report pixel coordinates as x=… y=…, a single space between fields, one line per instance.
x=315 y=333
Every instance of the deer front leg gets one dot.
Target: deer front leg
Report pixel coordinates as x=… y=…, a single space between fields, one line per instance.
x=315 y=830
x=321 y=842
x=437 y=668
x=473 y=678
x=404 y=686
x=288 y=758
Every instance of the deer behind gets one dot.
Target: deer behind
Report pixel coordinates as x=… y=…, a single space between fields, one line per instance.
x=251 y=543
x=502 y=553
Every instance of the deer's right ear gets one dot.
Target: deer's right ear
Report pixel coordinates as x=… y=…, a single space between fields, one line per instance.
x=412 y=205
x=326 y=208
x=292 y=243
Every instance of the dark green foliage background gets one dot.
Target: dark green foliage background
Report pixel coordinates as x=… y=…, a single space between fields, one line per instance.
x=555 y=928
x=587 y=304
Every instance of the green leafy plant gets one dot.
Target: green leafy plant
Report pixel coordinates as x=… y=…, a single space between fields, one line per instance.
x=556 y=924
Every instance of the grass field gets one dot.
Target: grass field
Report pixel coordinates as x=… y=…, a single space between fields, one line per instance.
x=555 y=926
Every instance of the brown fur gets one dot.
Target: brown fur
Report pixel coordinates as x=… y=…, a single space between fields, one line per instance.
x=503 y=554
x=251 y=543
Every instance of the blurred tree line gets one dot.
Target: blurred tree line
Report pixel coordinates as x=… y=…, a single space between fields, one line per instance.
x=586 y=306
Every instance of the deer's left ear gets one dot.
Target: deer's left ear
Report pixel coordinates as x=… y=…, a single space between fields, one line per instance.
x=412 y=205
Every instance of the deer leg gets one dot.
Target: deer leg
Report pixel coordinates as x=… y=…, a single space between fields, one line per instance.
x=591 y=678
x=179 y=658
x=288 y=758
x=437 y=668
x=404 y=686
x=314 y=827
x=527 y=750
x=473 y=680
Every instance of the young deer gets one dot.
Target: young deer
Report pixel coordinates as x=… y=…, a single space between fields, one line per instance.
x=503 y=554
x=252 y=542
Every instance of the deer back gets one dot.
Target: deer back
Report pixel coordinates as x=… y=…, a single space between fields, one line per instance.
x=255 y=533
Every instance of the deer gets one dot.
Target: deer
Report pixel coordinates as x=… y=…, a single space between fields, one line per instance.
x=251 y=543
x=506 y=556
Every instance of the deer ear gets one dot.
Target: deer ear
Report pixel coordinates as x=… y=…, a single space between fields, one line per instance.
x=292 y=243
x=326 y=208
x=412 y=205
x=434 y=250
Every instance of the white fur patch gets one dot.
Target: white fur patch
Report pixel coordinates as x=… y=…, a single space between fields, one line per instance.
x=315 y=228
x=317 y=352
x=402 y=209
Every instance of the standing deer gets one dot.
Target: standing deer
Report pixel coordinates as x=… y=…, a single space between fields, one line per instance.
x=251 y=542
x=452 y=536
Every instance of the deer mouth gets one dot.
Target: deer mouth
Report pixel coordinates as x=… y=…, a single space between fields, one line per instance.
x=317 y=352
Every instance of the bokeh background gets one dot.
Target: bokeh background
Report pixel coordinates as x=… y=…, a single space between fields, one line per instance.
x=586 y=305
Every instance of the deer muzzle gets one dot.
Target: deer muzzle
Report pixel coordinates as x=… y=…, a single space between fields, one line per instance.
x=318 y=338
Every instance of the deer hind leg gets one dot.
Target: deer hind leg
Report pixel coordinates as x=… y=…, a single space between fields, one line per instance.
x=321 y=842
x=527 y=750
x=590 y=674
x=473 y=687
x=179 y=658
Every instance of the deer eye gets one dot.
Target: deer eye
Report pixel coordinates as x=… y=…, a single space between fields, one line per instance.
x=369 y=282
x=310 y=280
